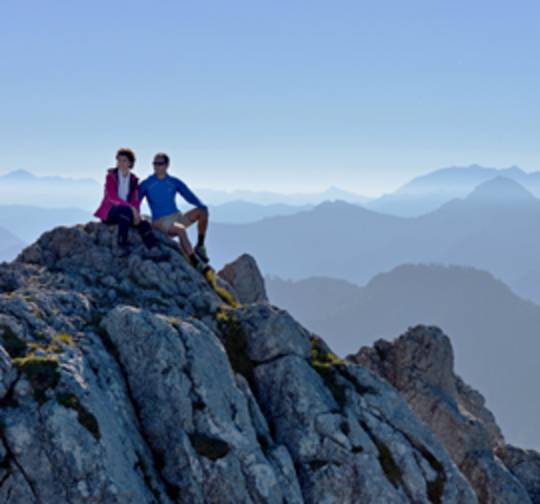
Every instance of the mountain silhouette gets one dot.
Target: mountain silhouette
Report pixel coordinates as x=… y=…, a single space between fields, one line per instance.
x=493 y=228
x=428 y=192
x=10 y=245
x=491 y=327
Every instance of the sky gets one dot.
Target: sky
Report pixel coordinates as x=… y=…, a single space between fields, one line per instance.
x=280 y=95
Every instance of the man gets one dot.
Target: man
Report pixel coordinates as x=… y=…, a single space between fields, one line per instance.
x=160 y=190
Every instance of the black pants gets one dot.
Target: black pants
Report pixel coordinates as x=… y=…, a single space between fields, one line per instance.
x=123 y=216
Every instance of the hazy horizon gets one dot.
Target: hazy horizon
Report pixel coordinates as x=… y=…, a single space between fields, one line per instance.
x=285 y=97
x=98 y=178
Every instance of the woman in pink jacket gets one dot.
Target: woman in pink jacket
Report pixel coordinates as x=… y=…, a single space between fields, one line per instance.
x=121 y=203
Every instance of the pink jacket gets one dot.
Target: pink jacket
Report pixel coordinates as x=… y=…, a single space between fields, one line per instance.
x=111 y=198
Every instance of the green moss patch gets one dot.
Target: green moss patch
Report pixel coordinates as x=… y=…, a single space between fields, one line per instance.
x=208 y=447
x=41 y=371
x=64 y=338
x=235 y=342
x=55 y=346
x=325 y=364
x=223 y=293
x=330 y=367
x=86 y=419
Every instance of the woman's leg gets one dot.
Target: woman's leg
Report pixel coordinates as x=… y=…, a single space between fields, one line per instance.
x=145 y=230
x=123 y=216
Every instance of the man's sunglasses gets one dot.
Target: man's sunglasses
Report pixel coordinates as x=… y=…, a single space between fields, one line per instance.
x=159 y=163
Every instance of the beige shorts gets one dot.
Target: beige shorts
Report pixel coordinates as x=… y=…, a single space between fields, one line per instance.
x=165 y=223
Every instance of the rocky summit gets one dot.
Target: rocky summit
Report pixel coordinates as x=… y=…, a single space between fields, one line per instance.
x=420 y=365
x=128 y=380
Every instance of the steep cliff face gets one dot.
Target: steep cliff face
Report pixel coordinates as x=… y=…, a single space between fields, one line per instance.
x=133 y=381
x=420 y=364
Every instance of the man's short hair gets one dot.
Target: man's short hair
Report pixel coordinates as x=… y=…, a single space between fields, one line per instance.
x=164 y=157
x=128 y=153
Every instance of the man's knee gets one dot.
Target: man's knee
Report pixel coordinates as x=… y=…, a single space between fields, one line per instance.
x=177 y=230
x=197 y=214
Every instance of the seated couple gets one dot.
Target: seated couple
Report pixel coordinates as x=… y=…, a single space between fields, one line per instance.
x=123 y=197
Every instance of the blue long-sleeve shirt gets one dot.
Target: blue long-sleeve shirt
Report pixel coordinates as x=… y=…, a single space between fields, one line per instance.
x=161 y=195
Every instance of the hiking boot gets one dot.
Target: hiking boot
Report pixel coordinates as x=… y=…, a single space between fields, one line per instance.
x=200 y=250
x=202 y=268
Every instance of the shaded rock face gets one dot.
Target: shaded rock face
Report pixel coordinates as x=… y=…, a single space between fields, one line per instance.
x=244 y=277
x=525 y=464
x=420 y=364
x=130 y=381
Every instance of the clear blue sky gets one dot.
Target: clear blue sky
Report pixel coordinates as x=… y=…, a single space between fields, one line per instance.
x=282 y=95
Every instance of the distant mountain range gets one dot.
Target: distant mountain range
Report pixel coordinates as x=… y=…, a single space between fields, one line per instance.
x=30 y=222
x=429 y=192
x=494 y=228
x=421 y=195
x=491 y=328
x=244 y=212
x=23 y=188
x=214 y=197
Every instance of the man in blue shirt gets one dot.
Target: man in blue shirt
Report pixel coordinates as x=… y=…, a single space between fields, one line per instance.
x=160 y=190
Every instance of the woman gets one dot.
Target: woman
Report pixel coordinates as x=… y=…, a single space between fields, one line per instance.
x=121 y=203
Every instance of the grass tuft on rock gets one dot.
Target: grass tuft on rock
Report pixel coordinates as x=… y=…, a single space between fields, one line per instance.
x=64 y=338
x=223 y=293
x=325 y=364
x=235 y=343
x=41 y=371
x=55 y=346
x=85 y=418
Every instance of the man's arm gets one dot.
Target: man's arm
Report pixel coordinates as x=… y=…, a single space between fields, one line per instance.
x=188 y=195
x=143 y=188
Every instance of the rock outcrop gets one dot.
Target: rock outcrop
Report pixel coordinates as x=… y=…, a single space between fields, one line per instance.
x=525 y=465
x=244 y=277
x=125 y=380
x=420 y=364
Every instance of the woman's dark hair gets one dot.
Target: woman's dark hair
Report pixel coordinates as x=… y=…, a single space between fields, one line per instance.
x=164 y=157
x=128 y=153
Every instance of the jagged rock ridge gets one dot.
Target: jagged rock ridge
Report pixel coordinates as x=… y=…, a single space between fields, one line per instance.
x=127 y=380
x=420 y=364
